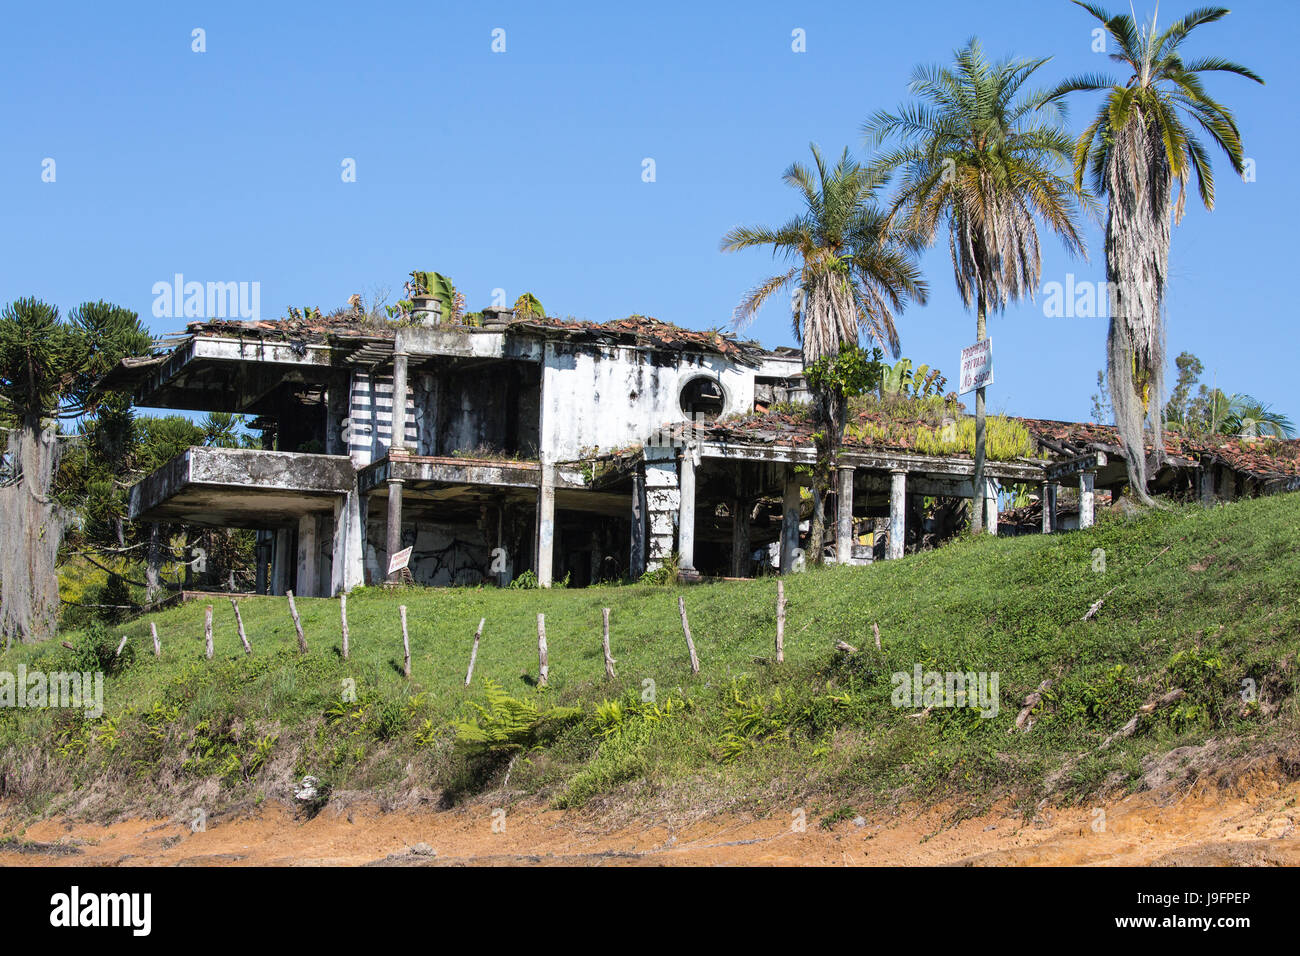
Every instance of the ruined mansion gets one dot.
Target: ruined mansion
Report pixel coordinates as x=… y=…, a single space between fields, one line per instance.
x=576 y=451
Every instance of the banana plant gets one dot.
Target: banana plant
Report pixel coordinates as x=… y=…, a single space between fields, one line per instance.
x=527 y=307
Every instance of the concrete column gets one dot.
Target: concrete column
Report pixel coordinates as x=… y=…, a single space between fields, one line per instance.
x=394 y=525
x=990 y=506
x=1048 y=496
x=636 y=543
x=897 y=513
x=308 y=556
x=280 y=561
x=1207 y=482
x=686 y=511
x=544 y=564
x=1086 y=480
x=844 y=517
x=347 y=565
x=789 y=520
x=742 y=547
x=398 y=440
x=153 y=568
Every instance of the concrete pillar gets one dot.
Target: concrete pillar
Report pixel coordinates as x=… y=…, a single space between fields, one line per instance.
x=394 y=525
x=261 y=554
x=1086 y=480
x=308 y=556
x=897 y=513
x=398 y=440
x=153 y=568
x=844 y=517
x=661 y=504
x=686 y=511
x=990 y=506
x=742 y=547
x=281 y=561
x=636 y=542
x=789 y=521
x=1048 y=497
x=1207 y=482
x=545 y=553
x=347 y=564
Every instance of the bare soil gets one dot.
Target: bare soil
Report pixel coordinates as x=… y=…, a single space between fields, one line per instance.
x=1253 y=821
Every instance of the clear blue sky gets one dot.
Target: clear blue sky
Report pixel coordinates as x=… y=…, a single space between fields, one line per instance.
x=522 y=170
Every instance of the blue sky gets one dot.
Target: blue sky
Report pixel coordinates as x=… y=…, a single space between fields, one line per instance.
x=522 y=170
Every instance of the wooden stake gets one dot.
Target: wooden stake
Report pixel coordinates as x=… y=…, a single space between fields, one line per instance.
x=686 y=629
x=609 y=660
x=875 y=629
x=207 y=630
x=297 y=624
x=343 y=613
x=780 y=622
x=121 y=644
x=542 y=667
x=846 y=648
x=473 y=653
x=406 y=644
x=157 y=647
x=239 y=621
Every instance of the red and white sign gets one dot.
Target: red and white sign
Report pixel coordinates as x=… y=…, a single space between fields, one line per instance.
x=976 y=366
x=400 y=560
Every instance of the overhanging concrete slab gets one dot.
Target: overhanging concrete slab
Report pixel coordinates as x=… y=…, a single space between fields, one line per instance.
x=241 y=488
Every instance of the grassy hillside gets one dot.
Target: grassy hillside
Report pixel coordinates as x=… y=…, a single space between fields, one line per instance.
x=1198 y=600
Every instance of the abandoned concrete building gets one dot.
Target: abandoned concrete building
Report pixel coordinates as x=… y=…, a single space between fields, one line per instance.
x=574 y=450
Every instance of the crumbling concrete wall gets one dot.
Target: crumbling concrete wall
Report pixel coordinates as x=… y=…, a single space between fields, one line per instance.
x=609 y=397
x=444 y=553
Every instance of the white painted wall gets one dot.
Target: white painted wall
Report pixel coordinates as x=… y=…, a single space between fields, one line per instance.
x=609 y=397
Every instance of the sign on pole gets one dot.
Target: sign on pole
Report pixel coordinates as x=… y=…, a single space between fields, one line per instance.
x=400 y=560
x=976 y=366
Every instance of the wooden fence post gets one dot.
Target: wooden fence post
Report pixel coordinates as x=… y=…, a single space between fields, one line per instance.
x=473 y=654
x=207 y=630
x=121 y=644
x=609 y=660
x=542 y=668
x=343 y=613
x=686 y=629
x=239 y=621
x=780 y=622
x=157 y=647
x=297 y=624
x=406 y=644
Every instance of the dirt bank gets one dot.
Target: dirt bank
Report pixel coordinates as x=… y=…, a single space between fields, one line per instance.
x=1251 y=823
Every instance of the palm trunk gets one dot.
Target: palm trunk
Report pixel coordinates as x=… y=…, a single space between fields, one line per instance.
x=977 y=502
x=1137 y=262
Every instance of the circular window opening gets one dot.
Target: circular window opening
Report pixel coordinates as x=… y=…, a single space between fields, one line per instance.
x=702 y=398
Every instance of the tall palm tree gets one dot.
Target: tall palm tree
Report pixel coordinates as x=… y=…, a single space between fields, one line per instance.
x=851 y=273
x=1140 y=147
x=978 y=153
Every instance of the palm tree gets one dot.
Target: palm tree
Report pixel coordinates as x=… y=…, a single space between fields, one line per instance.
x=851 y=274
x=1247 y=417
x=1141 y=145
x=980 y=154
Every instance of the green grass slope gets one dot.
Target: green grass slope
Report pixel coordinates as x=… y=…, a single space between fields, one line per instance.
x=1202 y=601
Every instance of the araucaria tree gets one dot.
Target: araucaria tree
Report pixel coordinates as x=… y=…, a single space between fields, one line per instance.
x=47 y=368
x=850 y=273
x=978 y=153
x=1140 y=148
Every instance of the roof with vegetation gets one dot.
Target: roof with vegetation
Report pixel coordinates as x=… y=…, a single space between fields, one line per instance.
x=636 y=330
x=1256 y=456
